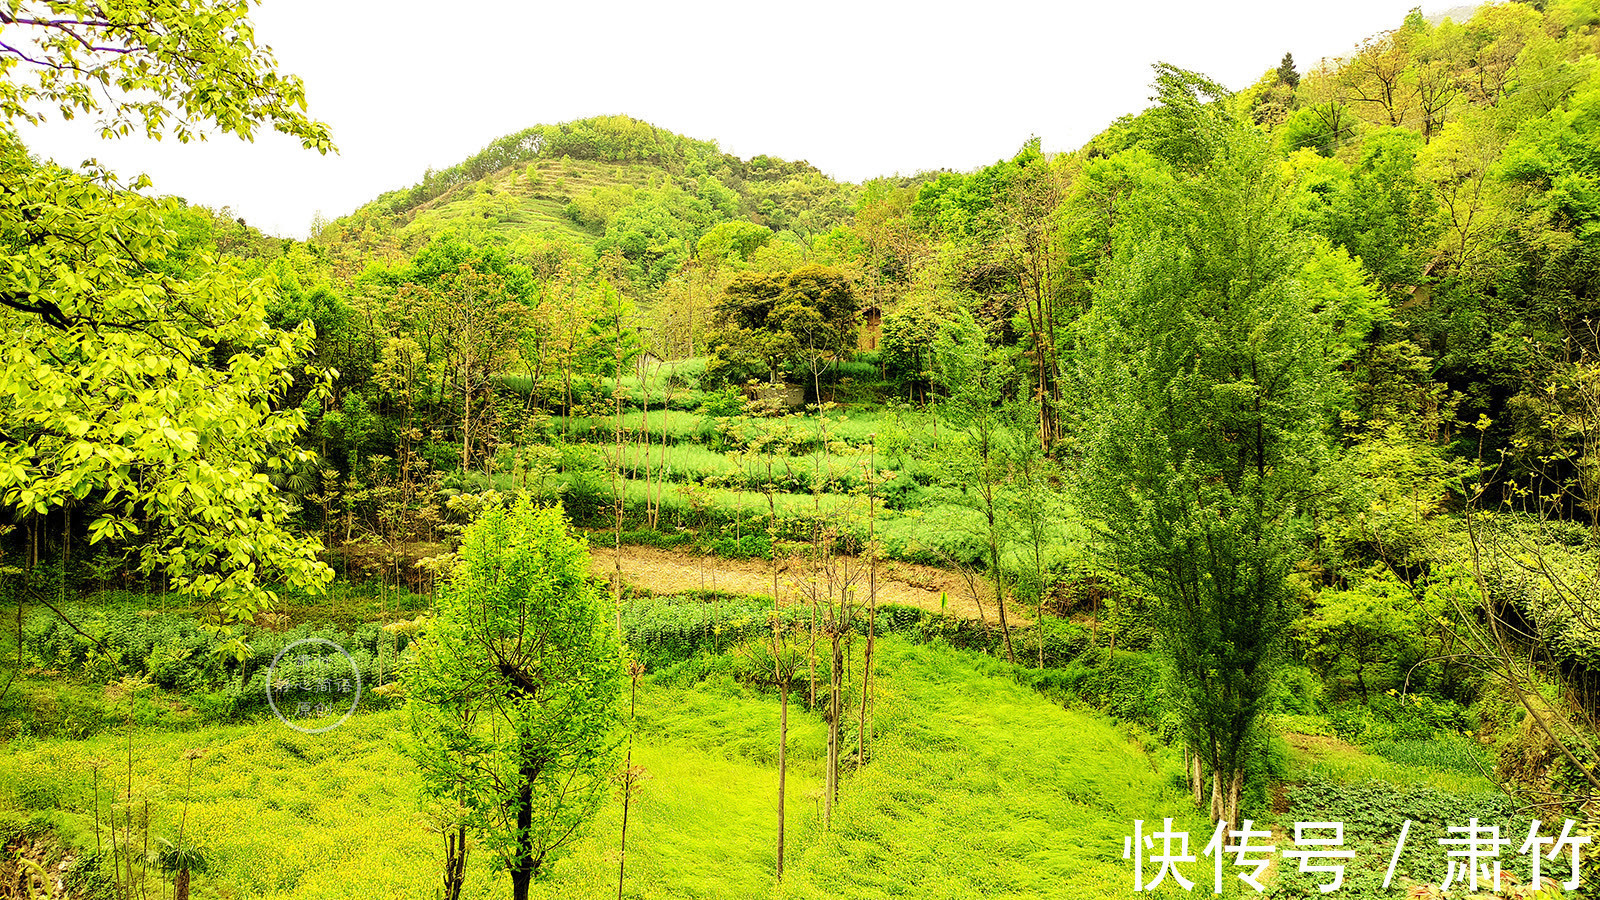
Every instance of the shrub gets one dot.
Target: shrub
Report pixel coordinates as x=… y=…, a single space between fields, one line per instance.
x=663 y=632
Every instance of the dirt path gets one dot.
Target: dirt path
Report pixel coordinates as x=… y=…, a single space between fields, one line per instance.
x=677 y=571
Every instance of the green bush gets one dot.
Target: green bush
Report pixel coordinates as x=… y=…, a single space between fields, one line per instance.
x=1297 y=692
x=1399 y=717
x=665 y=631
x=1121 y=684
x=1452 y=753
x=696 y=669
x=170 y=650
x=754 y=545
x=1131 y=622
x=645 y=537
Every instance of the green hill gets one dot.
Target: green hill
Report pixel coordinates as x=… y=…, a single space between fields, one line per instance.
x=610 y=183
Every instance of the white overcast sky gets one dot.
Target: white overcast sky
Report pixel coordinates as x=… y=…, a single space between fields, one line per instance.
x=856 y=87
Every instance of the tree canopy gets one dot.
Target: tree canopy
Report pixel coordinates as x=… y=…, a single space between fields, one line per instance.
x=148 y=387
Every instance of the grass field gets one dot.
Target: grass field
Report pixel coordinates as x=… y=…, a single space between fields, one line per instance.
x=977 y=787
x=982 y=788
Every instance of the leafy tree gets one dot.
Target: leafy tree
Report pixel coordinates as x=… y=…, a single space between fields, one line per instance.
x=1365 y=632
x=515 y=689
x=472 y=303
x=1185 y=127
x=1436 y=77
x=1374 y=79
x=1028 y=228
x=1206 y=379
x=1384 y=218
x=818 y=307
x=771 y=320
x=1321 y=128
x=1034 y=512
x=1324 y=99
x=734 y=240
x=748 y=333
x=1459 y=164
x=910 y=332
x=975 y=459
x=144 y=388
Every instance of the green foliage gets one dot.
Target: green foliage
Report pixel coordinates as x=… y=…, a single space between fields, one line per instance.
x=767 y=322
x=911 y=331
x=1286 y=72
x=1373 y=813
x=1451 y=753
x=665 y=631
x=1379 y=209
x=164 y=69
x=515 y=689
x=1299 y=693
x=1208 y=398
x=174 y=858
x=732 y=242
x=1238 y=258
x=1189 y=125
x=196 y=683
x=1321 y=129
x=137 y=385
x=164 y=430
x=1118 y=684
x=1341 y=296
x=1367 y=633
x=1393 y=716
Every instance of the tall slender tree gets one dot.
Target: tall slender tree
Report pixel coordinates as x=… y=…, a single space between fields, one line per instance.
x=1208 y=390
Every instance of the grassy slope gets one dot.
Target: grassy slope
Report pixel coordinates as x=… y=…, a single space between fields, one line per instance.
x=983 y=788
x=979 y=787
x=516 y=204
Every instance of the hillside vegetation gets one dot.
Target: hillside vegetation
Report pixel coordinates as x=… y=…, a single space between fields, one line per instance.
x=1238 y=466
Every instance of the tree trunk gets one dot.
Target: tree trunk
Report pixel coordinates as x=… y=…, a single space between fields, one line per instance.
x=1000 y=594
x=811 y=654
x=1235 y=788
x=455 y=862
x=872 y=604
x=1216 y=798
x=1038 y=624
x=835 y=713
x=783 y=755
x=627 y=787
x=866 y=668
x=524 y=866
x=994 y=566
x=180 y=885
x=1197 y=778
x=466 y=420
